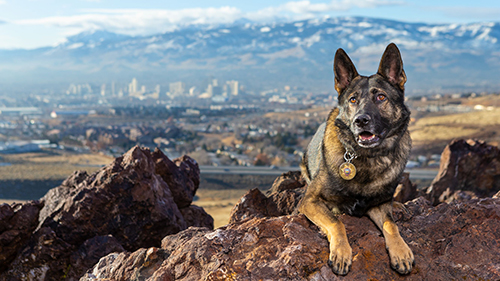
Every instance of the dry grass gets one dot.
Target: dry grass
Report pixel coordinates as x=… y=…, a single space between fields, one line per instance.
x=71 y=159
x=219 y=203
x=48 y=165
x=477 y=124
x=475 y=118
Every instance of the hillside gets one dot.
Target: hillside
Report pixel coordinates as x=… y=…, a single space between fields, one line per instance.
x=432 y=131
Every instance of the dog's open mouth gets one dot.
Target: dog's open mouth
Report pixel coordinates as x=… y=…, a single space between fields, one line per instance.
x=368 y=139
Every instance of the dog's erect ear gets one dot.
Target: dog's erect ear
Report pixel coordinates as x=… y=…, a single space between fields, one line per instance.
x=344 y=71
x=391 y=66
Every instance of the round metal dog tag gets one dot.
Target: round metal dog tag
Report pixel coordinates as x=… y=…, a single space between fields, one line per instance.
x=347 y=171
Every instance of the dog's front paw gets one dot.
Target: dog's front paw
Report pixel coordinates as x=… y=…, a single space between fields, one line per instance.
x=340 y=258
x=401 y=256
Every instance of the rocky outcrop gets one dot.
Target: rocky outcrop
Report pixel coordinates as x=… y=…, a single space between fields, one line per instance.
x=457 y=241
x=468 y=168
x=267 y=240
x=126 y=222
x=127 y=205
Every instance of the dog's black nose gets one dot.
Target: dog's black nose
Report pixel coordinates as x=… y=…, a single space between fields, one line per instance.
x=362 y=120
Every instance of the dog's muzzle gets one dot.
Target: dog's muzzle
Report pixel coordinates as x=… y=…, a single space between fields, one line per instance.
x=364 y=131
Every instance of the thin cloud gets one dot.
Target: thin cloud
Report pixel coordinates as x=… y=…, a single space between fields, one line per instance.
x=300 y=7
x=139 y=21
x=2 y=2
x=149 y=21
x=474 y=13
x=298 y=10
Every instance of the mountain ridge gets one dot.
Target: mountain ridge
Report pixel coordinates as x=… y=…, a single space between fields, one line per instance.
x=436 y=56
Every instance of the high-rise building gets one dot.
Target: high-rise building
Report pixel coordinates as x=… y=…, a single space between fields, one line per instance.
x=177 y=89
x=192 y=90
x=103 y=89
x=209 y=90
x=132 y=87
x=232 y=87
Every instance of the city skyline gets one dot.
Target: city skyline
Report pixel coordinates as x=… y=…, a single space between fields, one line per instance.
x=47 y=23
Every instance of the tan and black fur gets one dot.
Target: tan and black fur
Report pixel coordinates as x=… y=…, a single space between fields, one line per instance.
x=370 y=122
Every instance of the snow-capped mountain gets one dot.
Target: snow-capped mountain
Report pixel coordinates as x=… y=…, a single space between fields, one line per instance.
x=436 y=56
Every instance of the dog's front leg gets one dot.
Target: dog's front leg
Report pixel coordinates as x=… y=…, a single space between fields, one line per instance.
x=340 y=251
x=400 y=254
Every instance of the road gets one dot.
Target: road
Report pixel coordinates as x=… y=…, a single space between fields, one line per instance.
x=415 y=174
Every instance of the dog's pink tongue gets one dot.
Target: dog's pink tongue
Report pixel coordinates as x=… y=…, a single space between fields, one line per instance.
x=366 y=136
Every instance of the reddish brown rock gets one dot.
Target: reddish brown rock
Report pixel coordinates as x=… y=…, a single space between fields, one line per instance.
x=17 y=222
x=196 y=216
x=287 y=181
x=287 y=191
x=126 y=199
x=466 y=165
x=280 y=248
x=182 y=176
x=282 y=199
x=287 y=201
x=254 y=204
x=124 y=206
x=457 y=241
x=45 y=257
x=406 y=190
x=91 y=251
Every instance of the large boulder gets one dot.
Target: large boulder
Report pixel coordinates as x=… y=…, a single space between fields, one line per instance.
x=466 y=165
x=125 y=206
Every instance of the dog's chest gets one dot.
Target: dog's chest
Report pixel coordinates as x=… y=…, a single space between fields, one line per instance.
x=374 y=183
x=374 y=172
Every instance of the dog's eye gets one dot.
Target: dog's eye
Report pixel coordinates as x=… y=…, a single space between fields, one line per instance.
x=353 y=100
x=381 y=97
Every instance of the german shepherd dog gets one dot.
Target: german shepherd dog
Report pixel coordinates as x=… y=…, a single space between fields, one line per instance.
x=355 y=160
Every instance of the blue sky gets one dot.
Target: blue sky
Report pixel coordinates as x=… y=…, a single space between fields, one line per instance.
x=36 y=23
